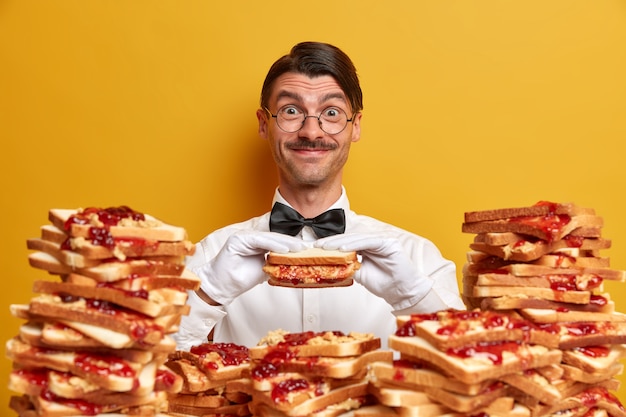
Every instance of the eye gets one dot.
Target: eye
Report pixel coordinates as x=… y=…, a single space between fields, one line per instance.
x=290 y=111
x=332 y=113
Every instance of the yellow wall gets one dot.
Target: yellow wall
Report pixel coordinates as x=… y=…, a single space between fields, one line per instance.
x=468 y=105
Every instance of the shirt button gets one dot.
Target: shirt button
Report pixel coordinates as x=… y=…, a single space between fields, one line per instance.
x=310 y=318
x=208 y=322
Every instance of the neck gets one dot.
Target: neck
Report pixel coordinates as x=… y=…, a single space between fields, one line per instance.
x=310 y=201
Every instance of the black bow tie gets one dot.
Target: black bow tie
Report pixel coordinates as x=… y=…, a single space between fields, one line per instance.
x=286 y=220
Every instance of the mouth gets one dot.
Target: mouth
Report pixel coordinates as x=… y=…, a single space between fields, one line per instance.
x=310 y=146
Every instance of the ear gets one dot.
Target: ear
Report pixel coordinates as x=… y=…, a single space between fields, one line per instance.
x=261 y=116
x=356 y=127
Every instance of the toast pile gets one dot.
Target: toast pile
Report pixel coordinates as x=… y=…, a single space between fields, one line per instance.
x=206 y=370
x=311 y=373
x=461 y=362
x=96 y=336
x=543 y=263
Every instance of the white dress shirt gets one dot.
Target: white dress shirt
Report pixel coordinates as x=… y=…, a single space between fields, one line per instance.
x=265 y=308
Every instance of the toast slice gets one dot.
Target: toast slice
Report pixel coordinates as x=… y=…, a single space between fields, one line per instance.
x=111 y=271
x=574 y=297
x=478 y=362
x=105 y=315
x=526 y=250
x=281 y=360
x=106 y=371
x=153 y=303
x=346 y=397
x=551 y=227
x=327 y=343
x=597 y=304
x=451 y=329
x=594 y=359
x=75 y=336
x=591 y=333
x=220 y=361
x=186 y=281
x=118 y=221
x=541 y=208
x=415 y=376
x=540 y=315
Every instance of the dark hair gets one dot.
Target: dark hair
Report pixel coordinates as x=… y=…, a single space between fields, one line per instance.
x=315 y=59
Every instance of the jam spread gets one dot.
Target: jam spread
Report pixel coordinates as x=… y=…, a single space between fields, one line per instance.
x=492 y=351
x=550 y=224
x=104 y=365
x=165 y=378
x=231 y=354
x=100 y=235
x=457 y=323
x=281 y=391
x=85 y=407
x=140 y=324
x=594 y=351
x=110 y=216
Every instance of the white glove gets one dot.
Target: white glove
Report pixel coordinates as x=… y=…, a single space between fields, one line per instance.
x=195 y=328
x=386 y=269
x=238 y=265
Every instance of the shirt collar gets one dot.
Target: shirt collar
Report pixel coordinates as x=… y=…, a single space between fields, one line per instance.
x=342 y=202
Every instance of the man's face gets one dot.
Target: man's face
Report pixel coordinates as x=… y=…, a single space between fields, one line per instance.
x=310 y=156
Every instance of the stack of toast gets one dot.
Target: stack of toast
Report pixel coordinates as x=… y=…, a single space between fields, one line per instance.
x=206 y=370
x=544 y=263
x=467 y=362
x=96 y=336
x=318 y=374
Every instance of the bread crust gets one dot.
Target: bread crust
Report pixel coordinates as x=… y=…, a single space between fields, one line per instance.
x=312 y=256
x=538 y=209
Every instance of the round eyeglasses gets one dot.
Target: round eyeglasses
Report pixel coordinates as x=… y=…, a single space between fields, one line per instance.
x=290 y=119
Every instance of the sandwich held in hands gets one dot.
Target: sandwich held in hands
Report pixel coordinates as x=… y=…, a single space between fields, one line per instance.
x=311 y=268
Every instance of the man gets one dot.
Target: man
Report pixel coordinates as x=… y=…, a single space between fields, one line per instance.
x=310 y=115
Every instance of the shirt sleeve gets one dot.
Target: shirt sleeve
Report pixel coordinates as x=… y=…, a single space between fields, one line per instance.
x=194 y=329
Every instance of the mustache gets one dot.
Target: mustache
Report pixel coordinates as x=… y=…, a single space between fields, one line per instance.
x=310 y=145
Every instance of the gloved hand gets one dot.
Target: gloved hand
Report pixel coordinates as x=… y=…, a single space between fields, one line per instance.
x=386 y=269
x=238 y=265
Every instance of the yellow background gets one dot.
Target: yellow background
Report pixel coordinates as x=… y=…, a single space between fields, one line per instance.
x=469 y=105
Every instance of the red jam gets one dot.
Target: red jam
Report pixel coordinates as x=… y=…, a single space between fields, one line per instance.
x=230 y=353
x=140 y=293
x=551 y=224
x=103 y=365
x=165 y=378
x=263 y=371
x=594 y=351
x=282 y=390
x=492 y=351
x=582 y=328
x=85 y=407
x=109 y=216
x=592 y=396
x=37 y=377
x=457 y=323
x=598 y=300
x=297 y=339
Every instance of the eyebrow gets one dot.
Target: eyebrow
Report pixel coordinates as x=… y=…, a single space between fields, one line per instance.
x=298 y=97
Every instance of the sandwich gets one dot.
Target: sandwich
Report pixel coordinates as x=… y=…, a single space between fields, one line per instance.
x=95 y=340
x=206 y=369
x=311 y=268
x=311 y=373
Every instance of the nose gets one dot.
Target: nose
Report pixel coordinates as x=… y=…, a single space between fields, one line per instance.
x=311 y=130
